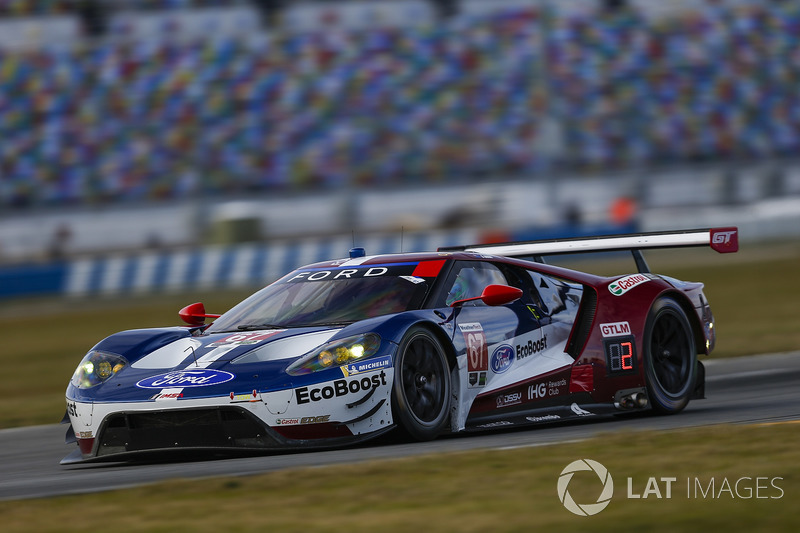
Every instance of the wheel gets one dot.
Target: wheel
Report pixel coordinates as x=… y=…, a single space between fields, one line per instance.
x=421 y=393
x=670 y=357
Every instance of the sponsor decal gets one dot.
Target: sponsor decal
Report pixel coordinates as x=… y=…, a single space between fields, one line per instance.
x=304 y=420
x=85 y=435
x=531 y=347
x=340 y=387
x=166 y=396
x=545 y=418
x=247 y=397
x=342 y=273
x=250 y=337
x=499 y=423
x=476 y=379
x=545 y=389
x=623 y=285
x=72 y=408
x=537 y=391
x=367 y=366
x=477 y=350
x=186 y=378
x=502 y=359
x=722 y=237
x=504 y=400
x=578 y=411
x=615 y=329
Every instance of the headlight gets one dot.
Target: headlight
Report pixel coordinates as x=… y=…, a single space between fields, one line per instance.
x=96 y=368
x=336 y=353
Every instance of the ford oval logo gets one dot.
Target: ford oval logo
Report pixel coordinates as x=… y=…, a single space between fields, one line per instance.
x=186 y=378
x=502 y=358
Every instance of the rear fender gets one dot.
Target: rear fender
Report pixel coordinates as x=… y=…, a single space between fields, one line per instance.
x=700 y=318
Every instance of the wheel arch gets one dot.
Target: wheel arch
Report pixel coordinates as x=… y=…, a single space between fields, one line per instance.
x=663 y=400
x=694 y=321
x=437 y=331
x=437 y=334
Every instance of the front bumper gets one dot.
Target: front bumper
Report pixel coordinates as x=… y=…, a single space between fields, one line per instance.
x=227 y=430
x=328 y=414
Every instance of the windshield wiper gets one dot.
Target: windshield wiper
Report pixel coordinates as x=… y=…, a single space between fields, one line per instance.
x=323 y=324
x=251 y=327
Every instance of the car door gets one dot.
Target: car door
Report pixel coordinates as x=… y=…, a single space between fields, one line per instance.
x=488 y=335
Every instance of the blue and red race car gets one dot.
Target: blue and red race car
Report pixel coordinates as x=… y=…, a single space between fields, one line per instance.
x=422 y=343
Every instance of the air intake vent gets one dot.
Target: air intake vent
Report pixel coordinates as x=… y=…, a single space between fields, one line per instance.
x=225 y=427
x=583 y=322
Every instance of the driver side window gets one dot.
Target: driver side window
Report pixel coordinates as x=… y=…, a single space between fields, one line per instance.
x=469 y=278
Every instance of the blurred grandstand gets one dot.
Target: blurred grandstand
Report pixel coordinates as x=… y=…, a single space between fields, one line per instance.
x=135 y=123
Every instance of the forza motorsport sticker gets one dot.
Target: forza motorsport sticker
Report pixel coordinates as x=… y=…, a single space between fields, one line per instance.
x=623 y=285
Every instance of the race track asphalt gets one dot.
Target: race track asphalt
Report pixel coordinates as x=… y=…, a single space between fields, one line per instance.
x=747 y=390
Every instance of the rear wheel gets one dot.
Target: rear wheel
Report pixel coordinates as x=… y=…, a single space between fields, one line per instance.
x=670 y=357
x=421 y=391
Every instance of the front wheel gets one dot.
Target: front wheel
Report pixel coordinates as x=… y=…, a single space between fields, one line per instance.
x=670 y=357
x=421 y=392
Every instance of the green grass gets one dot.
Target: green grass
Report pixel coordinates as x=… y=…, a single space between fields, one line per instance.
x=492 y=490
x=753 y=295
x=46 y=339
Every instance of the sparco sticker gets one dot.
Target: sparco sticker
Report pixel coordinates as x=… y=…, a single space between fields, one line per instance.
x=186 y=378
x=623 y=285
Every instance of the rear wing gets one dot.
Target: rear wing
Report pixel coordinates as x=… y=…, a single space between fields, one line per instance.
x=722 y=240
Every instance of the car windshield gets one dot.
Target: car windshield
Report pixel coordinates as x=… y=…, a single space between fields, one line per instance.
x=326 y=297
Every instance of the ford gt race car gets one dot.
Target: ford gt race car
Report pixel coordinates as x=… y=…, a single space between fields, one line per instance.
x=460 y=339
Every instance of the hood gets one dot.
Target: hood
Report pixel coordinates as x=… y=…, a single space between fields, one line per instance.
x=258 y=346
x=171 y=359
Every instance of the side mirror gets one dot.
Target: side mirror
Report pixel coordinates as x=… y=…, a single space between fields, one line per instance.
x=195 y=314
x=494 y=295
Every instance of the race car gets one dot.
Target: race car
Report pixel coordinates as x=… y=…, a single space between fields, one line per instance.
x=455 y=340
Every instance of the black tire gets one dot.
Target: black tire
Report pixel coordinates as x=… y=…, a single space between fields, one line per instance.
x=670 y=357
x=421 y=391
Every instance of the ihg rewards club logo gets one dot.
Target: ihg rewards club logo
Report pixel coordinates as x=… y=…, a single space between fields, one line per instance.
x=596 y=478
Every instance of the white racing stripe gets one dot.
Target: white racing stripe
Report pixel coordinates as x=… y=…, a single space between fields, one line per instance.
x=204 y=361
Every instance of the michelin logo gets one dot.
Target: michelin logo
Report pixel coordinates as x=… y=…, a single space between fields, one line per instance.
x=367 y=366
